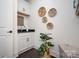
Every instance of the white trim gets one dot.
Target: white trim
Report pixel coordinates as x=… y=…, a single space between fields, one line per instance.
x=25 y=50
x=15 y=42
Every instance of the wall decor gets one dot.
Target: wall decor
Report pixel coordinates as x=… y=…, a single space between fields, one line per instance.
x=44 y=19
x=76 y=6
x=42 y=11
x=52 y=12
x=50 y=25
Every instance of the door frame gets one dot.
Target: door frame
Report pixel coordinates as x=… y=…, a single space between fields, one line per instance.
x=15 y=39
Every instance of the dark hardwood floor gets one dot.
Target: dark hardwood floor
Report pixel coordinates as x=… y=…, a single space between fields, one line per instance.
x=32 y=53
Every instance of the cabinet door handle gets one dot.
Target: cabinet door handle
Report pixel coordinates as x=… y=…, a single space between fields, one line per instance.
x=9 y=31
x=27 y=39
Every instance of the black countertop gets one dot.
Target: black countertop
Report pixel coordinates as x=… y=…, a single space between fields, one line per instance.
x=25 y=31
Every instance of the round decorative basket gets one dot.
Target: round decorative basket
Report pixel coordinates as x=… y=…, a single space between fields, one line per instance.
x=44 y=19
x=42 y=11
x=50 y=25
x=52 y=12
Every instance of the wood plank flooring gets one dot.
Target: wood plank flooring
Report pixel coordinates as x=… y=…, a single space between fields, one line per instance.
x=32 y=53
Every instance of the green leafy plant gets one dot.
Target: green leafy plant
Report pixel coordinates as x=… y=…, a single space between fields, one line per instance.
x=46 y=44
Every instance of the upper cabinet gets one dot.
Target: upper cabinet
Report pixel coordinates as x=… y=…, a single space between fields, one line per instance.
x=23 y=7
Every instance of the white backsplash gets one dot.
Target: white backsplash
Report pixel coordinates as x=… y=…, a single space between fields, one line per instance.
x=24 y=27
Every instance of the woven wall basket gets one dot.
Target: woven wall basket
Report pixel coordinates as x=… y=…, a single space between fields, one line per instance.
x=50 y=25
x=52 y=12
x=42 y=11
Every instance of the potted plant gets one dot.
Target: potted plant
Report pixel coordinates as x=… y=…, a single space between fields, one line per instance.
x=46 y=44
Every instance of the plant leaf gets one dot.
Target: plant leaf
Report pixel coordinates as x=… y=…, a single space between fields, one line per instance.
x=50 y=44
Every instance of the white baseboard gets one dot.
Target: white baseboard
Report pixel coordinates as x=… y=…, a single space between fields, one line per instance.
x=25 y=50
x=35 y=47
x=15 y=55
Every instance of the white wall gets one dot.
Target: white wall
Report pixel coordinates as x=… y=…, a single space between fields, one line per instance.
x=66 y=24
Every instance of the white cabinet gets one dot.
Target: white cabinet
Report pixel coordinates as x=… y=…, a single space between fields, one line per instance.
x=23 y=6
x=21 y=43
x=29 y=41
x=25 y=42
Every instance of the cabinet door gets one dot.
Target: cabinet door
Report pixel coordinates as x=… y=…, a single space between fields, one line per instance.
x=24 y=6
x=22 y=43
x=25 y=41
x=29 y=41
